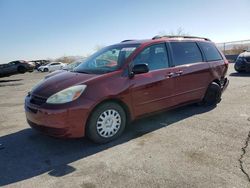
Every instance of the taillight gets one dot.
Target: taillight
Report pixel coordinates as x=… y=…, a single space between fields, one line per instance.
x=226 y=63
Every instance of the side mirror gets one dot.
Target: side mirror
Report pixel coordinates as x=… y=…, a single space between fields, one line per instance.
x=140 y=68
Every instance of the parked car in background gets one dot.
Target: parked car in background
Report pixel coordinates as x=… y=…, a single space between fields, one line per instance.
x=15 y=67
x=242 y=63
x=68 y=67
x=39 y=63
x=52 y=67
x=125 y=81
x=73 y=65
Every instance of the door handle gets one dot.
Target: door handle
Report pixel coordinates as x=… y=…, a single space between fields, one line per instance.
x=170 y=74
x=179 y=72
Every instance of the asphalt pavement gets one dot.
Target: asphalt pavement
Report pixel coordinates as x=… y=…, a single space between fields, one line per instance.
x=192 y=146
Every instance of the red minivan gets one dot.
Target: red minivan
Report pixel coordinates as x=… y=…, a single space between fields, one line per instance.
x=124 y=81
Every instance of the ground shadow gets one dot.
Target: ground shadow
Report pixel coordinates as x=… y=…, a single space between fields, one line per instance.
x=10 y=82
x=242 y=74
x=13 y=80
x=14 y=84
x=27 y=153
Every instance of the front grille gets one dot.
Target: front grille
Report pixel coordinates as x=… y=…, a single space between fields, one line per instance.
x=32 y=109
x=37 y=100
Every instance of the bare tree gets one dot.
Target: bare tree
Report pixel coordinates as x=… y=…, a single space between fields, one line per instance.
x=178 y=32
x=236 y=49
x=66 y=59
x=98 y=47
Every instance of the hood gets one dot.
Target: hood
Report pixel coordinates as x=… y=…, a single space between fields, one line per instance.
x=54 y=73
x=245 y=54
x=60 y=81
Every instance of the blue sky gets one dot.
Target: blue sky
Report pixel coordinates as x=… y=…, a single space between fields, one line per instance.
x=40 y=29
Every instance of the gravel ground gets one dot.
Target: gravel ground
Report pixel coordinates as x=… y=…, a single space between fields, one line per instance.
x=187 y=147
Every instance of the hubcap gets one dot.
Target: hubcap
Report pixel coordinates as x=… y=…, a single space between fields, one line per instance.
x=108 y=123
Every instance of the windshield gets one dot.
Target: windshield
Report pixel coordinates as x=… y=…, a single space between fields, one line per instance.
x=106 y=60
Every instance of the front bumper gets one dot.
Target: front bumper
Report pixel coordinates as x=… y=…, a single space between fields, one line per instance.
x=248 y=67
x=30 y=68
x=242 y=66
x=66 y=121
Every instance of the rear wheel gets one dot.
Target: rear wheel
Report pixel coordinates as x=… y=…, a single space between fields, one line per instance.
x=106 y=123
x=213 y=95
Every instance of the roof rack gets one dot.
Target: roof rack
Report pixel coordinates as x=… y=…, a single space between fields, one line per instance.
x=127 y=40
x=179 y=36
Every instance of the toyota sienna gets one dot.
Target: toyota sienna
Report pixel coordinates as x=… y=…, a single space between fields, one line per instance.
x=125 y=81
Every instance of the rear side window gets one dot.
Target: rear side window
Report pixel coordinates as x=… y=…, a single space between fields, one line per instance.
x=210 y=51
x=185 y=53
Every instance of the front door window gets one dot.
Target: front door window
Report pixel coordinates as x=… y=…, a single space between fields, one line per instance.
x=154 y=56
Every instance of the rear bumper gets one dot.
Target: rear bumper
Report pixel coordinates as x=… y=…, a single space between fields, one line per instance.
x=224 y=84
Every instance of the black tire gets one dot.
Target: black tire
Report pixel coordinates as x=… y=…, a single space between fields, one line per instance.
x=213 y=95
x=21 y=69
x=45 y=70
x=91 y=129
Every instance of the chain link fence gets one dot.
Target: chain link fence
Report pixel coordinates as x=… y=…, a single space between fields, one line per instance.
x=234 y=48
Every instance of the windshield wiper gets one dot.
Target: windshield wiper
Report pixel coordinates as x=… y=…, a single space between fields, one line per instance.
x=83 y=72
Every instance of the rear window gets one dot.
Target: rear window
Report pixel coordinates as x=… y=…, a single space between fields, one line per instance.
x=186 y=53
x=210 y=51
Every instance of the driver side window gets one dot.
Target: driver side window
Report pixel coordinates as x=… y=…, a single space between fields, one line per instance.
x=155 y=56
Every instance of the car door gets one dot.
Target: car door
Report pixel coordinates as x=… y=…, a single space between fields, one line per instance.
x=59 y=66
x=6 y=69
x=52 y=66
x=152 y=91
x=12 y=67
x=191 y=73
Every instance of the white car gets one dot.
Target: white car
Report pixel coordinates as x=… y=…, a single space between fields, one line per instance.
x=52 y=67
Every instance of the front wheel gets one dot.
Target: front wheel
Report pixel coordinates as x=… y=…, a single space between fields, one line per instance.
x=213 y=95
x=106 y=123
x=45 y=70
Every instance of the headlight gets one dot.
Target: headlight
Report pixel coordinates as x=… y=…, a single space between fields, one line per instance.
x=66 y=95
x=240 y=59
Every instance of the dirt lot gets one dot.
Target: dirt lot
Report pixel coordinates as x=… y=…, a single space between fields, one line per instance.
x=187 y=147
